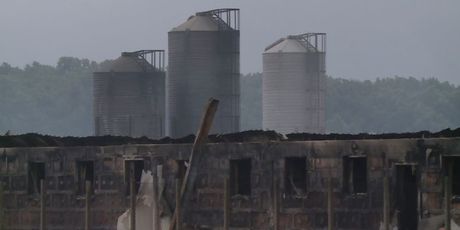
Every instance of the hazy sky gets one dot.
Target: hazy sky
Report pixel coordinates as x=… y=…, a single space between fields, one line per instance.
x=366 y=39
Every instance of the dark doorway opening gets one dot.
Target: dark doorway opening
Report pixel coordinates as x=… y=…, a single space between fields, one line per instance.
x=240 y=177
x=85 y=172
x=406 y=197
x=133 y=167
x=35 y=175
x=455 y=177
x=355 y=174
x=295 y=179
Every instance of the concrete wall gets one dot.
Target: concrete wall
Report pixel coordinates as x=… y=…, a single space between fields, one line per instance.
x=204 y=210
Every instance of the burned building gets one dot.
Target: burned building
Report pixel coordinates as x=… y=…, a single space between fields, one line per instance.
x=269 y=181
x=294 y=84
x=203 y=58
x=129 y=96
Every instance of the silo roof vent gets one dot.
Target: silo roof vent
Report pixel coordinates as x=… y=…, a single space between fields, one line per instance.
x=138 y=61
x=198 y=23
x=287 y=45
x=303 y=43
x=212 y=20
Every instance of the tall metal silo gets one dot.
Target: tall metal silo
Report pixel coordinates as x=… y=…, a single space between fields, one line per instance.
x=204 y=62
x=129 y=95
x=294 y=84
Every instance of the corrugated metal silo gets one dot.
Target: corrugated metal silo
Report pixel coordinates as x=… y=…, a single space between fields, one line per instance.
x=129 y=95
x=204 y=62
x=294 y=84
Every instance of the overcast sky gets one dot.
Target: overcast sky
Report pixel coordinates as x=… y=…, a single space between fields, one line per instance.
x=366 y=39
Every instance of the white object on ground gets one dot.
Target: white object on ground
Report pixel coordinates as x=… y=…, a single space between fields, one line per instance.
x=144 y=207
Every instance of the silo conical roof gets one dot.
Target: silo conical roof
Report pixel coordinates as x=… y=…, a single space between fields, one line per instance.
x=289 y=45
x=198 y=23
x=127 y=63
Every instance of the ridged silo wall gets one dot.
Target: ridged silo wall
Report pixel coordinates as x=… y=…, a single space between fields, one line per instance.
x=129 y=104
x=294 y=86
x=203 y=64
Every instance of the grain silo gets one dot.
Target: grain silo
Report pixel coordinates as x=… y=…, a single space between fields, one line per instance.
x=203 y=59
x=294 y=75
x=129 y=95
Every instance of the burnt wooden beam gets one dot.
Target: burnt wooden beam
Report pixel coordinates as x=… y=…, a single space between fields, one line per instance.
x=196 y=156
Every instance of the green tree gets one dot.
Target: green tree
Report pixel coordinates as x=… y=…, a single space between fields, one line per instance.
x=40 y=98
x=395 y=104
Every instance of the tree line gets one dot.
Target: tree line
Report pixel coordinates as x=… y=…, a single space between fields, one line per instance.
x=393 y=104
x=57 y=100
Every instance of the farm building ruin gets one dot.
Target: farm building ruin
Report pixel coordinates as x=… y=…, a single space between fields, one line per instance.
x=272 y=181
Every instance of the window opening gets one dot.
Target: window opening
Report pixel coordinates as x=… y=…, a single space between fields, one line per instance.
x=138 y=168
x=355 y=175
x=36 y=174
x=240 y=177
x=85 y=172
x=296 y=176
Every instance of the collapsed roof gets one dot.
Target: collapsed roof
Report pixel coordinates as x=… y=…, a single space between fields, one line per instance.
x=39 y=140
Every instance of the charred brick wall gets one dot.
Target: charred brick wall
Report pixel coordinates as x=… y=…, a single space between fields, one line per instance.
x=302 y=198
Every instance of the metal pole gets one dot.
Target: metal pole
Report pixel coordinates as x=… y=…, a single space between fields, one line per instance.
x=275 y=204
x=226 y=204
x=87 y=198
x=42 y=205
x=330 y=217
x=447 y=197
x=132 y=198
x=177 y=210
x=156 y=217
x=2 y=210
x=446 y=203
x=386 y=203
